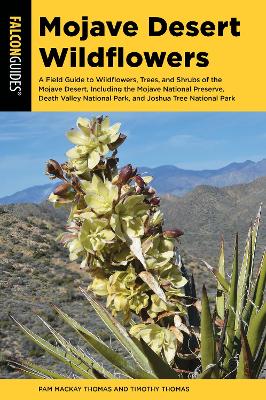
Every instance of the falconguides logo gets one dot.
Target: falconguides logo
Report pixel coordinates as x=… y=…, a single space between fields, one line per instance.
x=15 y=55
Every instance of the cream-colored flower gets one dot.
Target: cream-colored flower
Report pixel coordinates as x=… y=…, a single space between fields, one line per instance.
x=100 y=195
x=95 y=234
x=91 y=138
x=161 y=340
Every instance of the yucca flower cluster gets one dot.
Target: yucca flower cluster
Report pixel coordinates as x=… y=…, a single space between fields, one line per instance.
x=115 y=229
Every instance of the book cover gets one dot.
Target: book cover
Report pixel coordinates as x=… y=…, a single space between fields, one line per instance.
x=133 y=171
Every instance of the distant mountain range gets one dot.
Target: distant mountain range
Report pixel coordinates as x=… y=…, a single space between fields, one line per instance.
x=167 y=179
x=177 y=181
x=33 y=194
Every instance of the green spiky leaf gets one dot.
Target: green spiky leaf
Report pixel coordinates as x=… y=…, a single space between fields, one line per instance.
x=247 y=357
x=255 y=299
x=245 y=275
x=231 y=306
x=85 y=360
x=255 y=336
x=220 y=278
x=259 y=286
x=208 y=345
x=128 y=367
x=220 y=296
x=260 y=359
x=62 y=355
x=34 y=371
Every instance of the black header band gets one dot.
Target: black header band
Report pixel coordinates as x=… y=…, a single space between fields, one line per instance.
x=15 y=56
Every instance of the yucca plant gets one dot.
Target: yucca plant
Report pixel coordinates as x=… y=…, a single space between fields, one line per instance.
x=233 y=338
x=116 y=228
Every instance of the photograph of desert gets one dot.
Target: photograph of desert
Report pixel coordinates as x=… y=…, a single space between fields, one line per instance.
x=132 y=245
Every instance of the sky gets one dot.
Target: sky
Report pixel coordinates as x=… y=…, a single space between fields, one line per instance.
x=198 y=140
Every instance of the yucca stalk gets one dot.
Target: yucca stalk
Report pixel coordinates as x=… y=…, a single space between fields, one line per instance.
x=115 y=229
